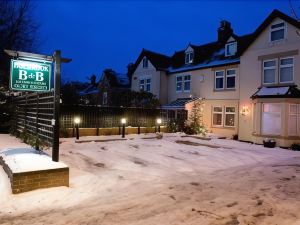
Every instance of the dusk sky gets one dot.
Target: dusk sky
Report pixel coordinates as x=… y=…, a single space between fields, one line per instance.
x=111 y=34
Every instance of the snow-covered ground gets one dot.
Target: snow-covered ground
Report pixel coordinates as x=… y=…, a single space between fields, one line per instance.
x=174 y=180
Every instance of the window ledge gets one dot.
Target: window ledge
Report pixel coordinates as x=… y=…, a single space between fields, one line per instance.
x=226 y=89
x=224 y=127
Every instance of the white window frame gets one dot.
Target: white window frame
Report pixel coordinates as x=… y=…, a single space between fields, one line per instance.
x=285 y=66
x=272 y=67
x=188 y=59
x=231 y=75
x=276 y=29
x=229 y=113
x=227 y=46
x=183 y=81
x=221 y=113
x=144 y=78
x=219 y=78
x=145 y=62
x=297 y=119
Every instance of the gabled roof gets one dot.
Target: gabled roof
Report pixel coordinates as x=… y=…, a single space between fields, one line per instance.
x=209 y=55
x=159 y=61
x=277 y=92
x=275 y=14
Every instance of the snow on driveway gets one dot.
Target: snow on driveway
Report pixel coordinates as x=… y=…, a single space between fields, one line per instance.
x=174 y=180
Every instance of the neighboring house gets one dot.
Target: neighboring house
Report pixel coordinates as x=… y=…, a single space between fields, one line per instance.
x=111 y=87
x=248 y=83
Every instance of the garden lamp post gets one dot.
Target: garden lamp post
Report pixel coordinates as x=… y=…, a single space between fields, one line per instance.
x=158 y=122
x=77 y=121
x=123 y=122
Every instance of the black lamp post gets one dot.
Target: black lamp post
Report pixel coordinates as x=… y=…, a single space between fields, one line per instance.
x=77 y=121
x=123 y=122
x=158 y=122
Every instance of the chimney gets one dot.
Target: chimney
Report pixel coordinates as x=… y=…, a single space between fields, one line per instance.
x=224 y=31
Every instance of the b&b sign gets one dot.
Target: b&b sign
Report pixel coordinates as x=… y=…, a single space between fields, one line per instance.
x=30 y=76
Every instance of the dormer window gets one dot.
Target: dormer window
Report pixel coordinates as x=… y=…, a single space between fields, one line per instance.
x=189 y=57
x=145 y=62
x=230 y=49
x=277 y=31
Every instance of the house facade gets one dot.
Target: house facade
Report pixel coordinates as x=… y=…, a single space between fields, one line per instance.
x=248 y=83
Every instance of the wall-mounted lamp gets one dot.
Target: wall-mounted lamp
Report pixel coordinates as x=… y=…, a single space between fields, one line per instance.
x=245 y=111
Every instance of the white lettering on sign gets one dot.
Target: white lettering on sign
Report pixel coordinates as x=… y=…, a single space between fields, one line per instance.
x=22 y=75
x=39 y=76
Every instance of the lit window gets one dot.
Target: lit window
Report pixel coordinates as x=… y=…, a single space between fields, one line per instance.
x=230 y=49
x=183 y=83
x=145 y=84
x=217 y=116
x=269 y=72
x=145 y=62
x=219 y=80
x=271 y=119
x=286 y=70
x=294 y=120
x=229 y=116
x=277 y=31
x=230 y=79
x=189 y=57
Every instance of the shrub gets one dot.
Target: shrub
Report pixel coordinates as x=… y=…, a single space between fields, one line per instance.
x=194 y=128
x=33 y=140
x=295 y=147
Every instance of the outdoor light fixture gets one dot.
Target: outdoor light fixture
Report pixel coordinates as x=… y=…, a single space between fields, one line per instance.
x=245 y=110
x=123 y=122
x=158 y=121
x=77 y=121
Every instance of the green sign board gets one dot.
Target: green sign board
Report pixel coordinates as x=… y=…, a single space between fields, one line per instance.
x=30 y=76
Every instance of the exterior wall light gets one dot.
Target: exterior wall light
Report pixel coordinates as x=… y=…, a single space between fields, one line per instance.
x=245 y=111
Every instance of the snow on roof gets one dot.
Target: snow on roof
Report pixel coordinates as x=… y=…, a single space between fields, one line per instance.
x=272 y=91
x=209 y=63
x=24 y=159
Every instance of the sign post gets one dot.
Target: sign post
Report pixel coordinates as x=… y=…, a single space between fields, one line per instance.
x=32 y=72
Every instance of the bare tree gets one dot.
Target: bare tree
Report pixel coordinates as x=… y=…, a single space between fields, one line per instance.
x=17 y=30
x=295 y=13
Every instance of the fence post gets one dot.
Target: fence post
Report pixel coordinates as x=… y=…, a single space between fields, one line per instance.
x=57 y=72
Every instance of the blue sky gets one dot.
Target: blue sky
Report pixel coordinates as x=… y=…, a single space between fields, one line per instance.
x=111 y=34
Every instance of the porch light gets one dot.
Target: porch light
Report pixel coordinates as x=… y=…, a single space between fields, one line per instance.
x=245 y=111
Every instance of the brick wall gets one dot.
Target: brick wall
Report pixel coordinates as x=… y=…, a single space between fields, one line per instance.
x=28 y=181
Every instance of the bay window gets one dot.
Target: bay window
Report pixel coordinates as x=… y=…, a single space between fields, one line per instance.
x=271 y=118
x=293 y=119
